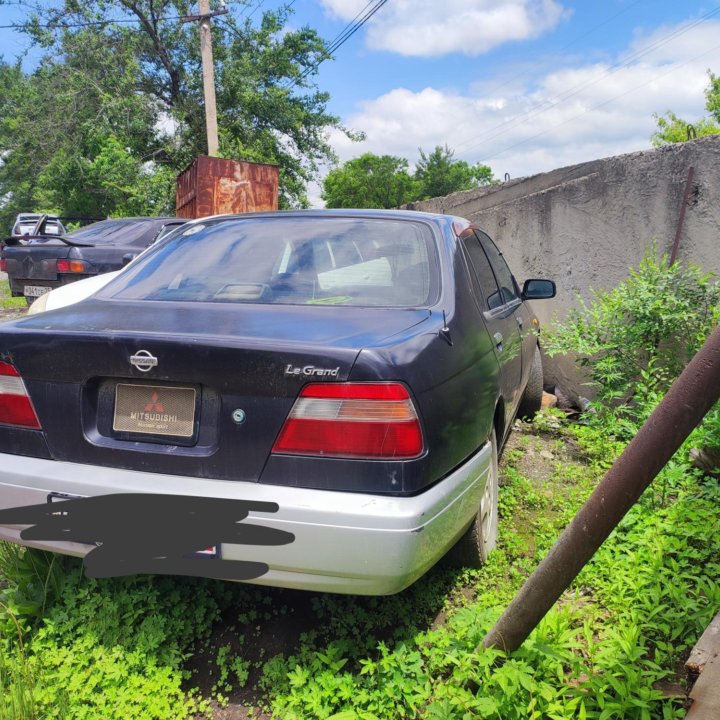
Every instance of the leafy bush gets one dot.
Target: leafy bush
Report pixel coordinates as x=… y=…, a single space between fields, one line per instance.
x=99 y=648
x=635 y=339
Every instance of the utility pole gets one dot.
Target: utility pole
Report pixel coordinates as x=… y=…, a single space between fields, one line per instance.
x=208 y=71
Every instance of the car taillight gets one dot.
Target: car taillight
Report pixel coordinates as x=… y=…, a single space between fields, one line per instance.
x=352 y=420
x=16 y=408
x=3 y=265
x=70 y=266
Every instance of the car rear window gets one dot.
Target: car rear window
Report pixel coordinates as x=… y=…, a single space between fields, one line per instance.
x=111 y=232
x=328 y=261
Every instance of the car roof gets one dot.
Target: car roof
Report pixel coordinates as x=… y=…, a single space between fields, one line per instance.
x=341 y=213
x=120 y=229
x=34 y=216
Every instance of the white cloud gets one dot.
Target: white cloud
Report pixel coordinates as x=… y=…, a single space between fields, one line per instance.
x=428 y=28
x=567 y=116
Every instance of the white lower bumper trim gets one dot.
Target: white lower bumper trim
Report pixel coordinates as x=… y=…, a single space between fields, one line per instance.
x=344 y=542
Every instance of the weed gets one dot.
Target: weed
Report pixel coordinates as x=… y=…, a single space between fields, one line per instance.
x=7 y=301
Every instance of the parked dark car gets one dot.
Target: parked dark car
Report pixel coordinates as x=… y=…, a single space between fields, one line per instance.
x=349 y=375
x=44 y=262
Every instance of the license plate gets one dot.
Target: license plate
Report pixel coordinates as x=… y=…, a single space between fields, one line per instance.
x=154 y=410
x=35 y=290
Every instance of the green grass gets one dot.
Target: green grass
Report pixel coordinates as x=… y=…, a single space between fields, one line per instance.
x=6 y=299
x=79 y=648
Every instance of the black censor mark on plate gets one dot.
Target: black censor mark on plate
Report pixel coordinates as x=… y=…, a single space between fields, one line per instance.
x=152 y=534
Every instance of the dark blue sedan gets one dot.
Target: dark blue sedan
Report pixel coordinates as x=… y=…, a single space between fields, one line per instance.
x=331 y=386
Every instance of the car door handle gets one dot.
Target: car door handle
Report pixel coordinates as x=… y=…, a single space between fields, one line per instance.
x=498 y=338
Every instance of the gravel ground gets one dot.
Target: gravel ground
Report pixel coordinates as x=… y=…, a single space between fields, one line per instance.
x=11 y=313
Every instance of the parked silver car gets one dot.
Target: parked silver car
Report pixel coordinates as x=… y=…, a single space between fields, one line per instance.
x=26 y=224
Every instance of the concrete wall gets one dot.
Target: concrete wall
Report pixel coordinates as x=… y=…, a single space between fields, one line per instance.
x=584 y=226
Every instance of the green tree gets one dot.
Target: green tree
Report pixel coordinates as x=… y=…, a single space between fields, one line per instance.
x=115 y=109
x=439 y=174
x=370 y=181
x=75 y=135
x=672 y=129
x=712 y=96
x=52 y=131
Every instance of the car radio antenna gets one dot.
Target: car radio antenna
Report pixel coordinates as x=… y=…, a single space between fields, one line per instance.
x=445 y=331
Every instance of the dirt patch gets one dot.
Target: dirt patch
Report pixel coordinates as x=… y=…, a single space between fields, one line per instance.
x=262 y=628
x=274 y=631
x=537 y=455
x=11 y=313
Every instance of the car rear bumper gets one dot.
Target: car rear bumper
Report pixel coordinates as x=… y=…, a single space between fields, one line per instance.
x=18 y=285
x=344 y=542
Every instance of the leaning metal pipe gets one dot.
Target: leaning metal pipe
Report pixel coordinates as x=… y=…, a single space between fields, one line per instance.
x=686 y=403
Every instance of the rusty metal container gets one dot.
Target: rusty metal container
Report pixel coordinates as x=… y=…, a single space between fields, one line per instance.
x=212 y=186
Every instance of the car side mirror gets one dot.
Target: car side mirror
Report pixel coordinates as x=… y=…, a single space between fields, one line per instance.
x=538 y=289
x=128 y=258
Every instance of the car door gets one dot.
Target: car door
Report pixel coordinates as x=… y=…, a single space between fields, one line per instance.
x=498 y=306
x=511 y=293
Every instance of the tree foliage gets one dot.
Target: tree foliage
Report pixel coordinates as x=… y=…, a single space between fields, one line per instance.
x=672 y=129
x=370 y=181
x=384 y=181
x=115 y=108
x=439 y=173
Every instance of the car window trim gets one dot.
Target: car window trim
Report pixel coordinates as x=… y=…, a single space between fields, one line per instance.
x=478 y=232
x=431 y=237
x=488 y=312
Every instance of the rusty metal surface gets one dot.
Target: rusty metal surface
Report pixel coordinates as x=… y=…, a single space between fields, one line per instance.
x=213 y=186
x=683 y=209
x=707 y=647
x=705 y=695
x=681 y=410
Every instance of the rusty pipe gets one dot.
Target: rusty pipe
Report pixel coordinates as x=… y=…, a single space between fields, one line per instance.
x=680 y=411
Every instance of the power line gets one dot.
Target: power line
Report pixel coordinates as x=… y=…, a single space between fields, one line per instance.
x=602 y=104
x=247 y=7
x=546 y=105
x=567 y=45
x=342 y=32
x=345 y=36
x=350 y=29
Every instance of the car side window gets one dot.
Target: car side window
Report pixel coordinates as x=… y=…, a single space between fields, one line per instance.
x=504 y=277
x=483 y=272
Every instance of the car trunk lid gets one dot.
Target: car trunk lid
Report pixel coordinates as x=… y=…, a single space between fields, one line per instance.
x=197 y=390
x=35 y=262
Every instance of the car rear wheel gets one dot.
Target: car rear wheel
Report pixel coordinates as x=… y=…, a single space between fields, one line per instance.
x=531 y=400
x=474 y=546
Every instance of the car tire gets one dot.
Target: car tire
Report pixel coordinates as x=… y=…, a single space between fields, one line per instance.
x=30 y=300
x=531 y=400
x=475 y=544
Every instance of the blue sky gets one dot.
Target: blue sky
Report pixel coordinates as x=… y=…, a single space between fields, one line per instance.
x=522 y=85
